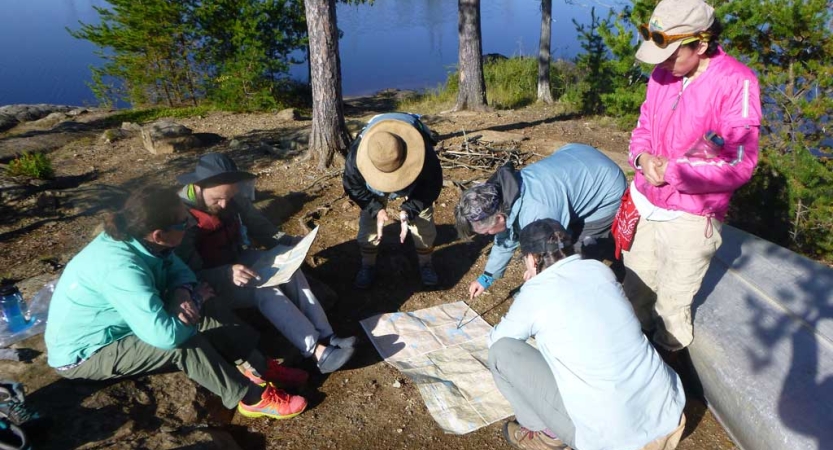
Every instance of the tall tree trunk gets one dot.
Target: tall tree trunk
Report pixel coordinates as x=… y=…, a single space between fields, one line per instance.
x=544 y=93
x=471 y=92
x=329 y=133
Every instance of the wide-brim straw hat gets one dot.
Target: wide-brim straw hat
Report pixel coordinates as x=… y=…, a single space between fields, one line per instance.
x=390 y=155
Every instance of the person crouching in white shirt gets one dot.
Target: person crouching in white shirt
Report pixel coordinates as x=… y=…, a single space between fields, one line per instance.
x=592 y=381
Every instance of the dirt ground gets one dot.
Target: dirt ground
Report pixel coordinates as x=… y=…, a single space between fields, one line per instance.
x=43 y=226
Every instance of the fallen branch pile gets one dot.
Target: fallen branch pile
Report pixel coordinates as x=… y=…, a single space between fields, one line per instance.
x=474 y=154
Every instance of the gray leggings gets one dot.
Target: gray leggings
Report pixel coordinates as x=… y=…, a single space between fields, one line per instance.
x=525 y=379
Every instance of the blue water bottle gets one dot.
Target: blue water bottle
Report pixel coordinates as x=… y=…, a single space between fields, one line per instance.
x=12 y=305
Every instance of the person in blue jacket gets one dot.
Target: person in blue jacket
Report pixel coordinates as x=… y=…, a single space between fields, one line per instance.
x=126 y=305
x=578 y=185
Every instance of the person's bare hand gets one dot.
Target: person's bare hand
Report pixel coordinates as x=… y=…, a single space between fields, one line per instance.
x=475 y=289
x=187 y=311
x=661 y=171
x=205 y=291
x=403 y=226
x=653 y=168
x=381 y=218
x=242 y=275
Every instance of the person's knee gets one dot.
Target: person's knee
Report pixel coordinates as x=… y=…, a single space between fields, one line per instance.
x=499 y=351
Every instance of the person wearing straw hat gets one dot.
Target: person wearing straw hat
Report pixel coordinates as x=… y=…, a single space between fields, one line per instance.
x=680 y=192
x=394 y=157
x=219 y=249
x=593 y=381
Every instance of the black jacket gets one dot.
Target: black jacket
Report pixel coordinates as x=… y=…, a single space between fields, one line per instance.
x=423 y=192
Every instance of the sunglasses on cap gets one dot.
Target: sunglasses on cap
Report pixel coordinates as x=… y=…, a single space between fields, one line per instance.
x=184 y=225
x=663 y=40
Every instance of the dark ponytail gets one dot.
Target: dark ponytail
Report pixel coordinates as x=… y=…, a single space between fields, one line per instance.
x=558 y=247
x=547 y=241
x=148 y=209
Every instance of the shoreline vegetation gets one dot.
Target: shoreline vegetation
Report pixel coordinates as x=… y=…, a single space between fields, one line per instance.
x=788 y=201
x=192 y=54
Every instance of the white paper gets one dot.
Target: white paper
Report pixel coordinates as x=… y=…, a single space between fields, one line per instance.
x=277 y=264
x=443 y=350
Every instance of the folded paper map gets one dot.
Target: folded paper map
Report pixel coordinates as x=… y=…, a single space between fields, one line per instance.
x=443 y=349
x=277 y=264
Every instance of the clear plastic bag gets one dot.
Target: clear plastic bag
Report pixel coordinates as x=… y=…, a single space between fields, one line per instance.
x=37 y=310
x=707 y=146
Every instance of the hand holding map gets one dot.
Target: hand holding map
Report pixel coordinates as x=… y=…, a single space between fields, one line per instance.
x=277 y=264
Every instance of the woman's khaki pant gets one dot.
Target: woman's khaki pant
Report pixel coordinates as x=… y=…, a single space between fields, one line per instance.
x=665 y=267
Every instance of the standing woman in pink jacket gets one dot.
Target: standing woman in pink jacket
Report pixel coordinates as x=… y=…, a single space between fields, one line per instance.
x=695 y=144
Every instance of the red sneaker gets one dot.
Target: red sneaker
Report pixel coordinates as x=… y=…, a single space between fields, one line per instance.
x=279 y=375
x=275 y=404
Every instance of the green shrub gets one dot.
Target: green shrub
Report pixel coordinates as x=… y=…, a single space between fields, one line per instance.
x=789 y=201
x=510 y=83
x=611 y=81
x=31 y=165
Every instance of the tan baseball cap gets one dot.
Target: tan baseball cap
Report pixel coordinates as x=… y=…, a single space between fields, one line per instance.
x=674 y=17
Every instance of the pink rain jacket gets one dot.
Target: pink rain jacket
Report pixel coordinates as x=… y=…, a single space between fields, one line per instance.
x=725 y=99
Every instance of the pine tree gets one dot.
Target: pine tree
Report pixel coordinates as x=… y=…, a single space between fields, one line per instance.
x=789 y=43
x=329 y=132
x=471 y=91
x=234 y=53
x=544 y=91
x=148 y=44
x=246 y=48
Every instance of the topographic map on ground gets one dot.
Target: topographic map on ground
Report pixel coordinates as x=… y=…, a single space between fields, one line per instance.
x=443 y=349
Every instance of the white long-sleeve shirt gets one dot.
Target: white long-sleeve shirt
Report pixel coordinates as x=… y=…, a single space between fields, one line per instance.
x=617 y=390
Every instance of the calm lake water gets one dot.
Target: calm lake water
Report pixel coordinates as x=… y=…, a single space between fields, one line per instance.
x=406 y=44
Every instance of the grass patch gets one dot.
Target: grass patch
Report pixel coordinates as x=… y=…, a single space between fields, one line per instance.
x=31 y=165
x=151 y=114
x=510 y=83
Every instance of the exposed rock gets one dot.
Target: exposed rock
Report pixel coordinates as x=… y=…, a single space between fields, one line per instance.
x=131 y=127
x=113 y=135
x=7 y=121
x=165 y=137
x=288 y=115
x=296 y=141
x=27 y=113
x=77 y=112
x=265 y=147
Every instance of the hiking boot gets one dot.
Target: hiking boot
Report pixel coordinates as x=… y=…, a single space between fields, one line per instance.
x=12 y=403
x=429 y=275
x=341 y=342
x=524 y=438
x=333 y=358
x=278 y=374
x=365 y=277
x=275 y=404
x=12 y=436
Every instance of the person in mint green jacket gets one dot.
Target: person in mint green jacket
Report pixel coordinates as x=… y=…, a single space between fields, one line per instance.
x=126 y=306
